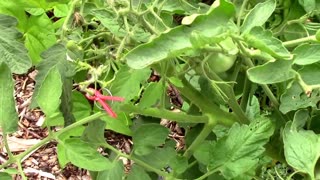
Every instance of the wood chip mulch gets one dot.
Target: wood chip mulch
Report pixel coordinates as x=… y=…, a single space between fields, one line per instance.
x=43 y=163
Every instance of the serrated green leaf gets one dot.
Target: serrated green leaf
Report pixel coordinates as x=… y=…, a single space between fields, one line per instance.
x=159 y=157
x=127 y=82
x=306 y=54
x=179 y=164
x=309 y=72
x=202 y=153
x=300 y=119
x=84 y=156
x=50 y=91
x=118 y=125
x=263 y=40
x=176 y=40
x=258 y=15
x=271 y=72
x=5 y=176
x=308 y=5
x=94 y=132
x=8 y=114
x=137 y=173
x=81 y=106
x=148 y=136
x=61 y=10
x=12 y=51
x=54 y=57
x=151 y=95
x=240 y=150
x=61 y=149
x=39 y=36
x=115 y=173
x=295 y=98
x=301 y=149
x=253 y=108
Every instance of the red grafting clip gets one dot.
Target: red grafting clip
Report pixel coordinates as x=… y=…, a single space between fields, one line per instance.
x=100 y=98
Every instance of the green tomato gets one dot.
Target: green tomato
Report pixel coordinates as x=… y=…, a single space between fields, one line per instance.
x=72 y=46
x=219 y=62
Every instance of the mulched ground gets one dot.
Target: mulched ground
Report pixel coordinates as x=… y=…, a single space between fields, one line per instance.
x=43 y=163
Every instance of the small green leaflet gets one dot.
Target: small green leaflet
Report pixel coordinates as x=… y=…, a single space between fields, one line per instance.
x=8 y=114
x=240 y=150
x=176 y=41
x=137 y=173
x=294 y=98
x=127 y=82
x=54 y=57
x=263 y=40
x=309 y=74
x=39 y=36
x=12 y=51
x=114 y=173
x=271 y=72
x=49 y=92
x=84 y=156
x=301 y=149
x=147 y=137
x=258 y=15
x=307 y=54
x=151 y=95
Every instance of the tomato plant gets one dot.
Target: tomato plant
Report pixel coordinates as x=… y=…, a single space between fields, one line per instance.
x=239 y=77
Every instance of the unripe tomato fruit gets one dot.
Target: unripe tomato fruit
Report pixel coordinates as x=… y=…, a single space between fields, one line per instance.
x=72 y=46
x=220 y=62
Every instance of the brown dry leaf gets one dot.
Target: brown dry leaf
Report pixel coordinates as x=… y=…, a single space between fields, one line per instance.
x=18 y=145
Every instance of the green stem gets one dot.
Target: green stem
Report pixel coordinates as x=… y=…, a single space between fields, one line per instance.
x=243 y=6
x=6 y=145
x=79 y=123
x=202 y=136
x=68 y=18
x=166 y=114
x=205 y=105
x=141 y=163
x=245 y=94
x=207 y=174
x=297 y=42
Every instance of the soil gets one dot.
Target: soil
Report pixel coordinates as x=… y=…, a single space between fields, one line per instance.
x=43 y=163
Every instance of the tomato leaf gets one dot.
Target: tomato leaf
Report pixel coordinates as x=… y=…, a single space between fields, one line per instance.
x=147 y=137
x=54 y=57
x=309 y=72
x=84 y=156
x=115 y=172
x=295 y=98
x=307 y=54
x=240 y=150
x=8 y=114
x=271 y=72
x=127 y=82
x=301 y=149
x=137 y=173
x=49 y=92
x=258 y=15
x=39 y=36
x=12 y=51
x=263 y=40
x=175 y=41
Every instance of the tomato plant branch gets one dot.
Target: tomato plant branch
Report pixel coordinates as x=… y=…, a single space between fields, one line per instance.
x=166 y=114
x=68 y=18
x=207 y=129
x=297 y=42
x=205 y=105
x=136 y=160
x=245 y=94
